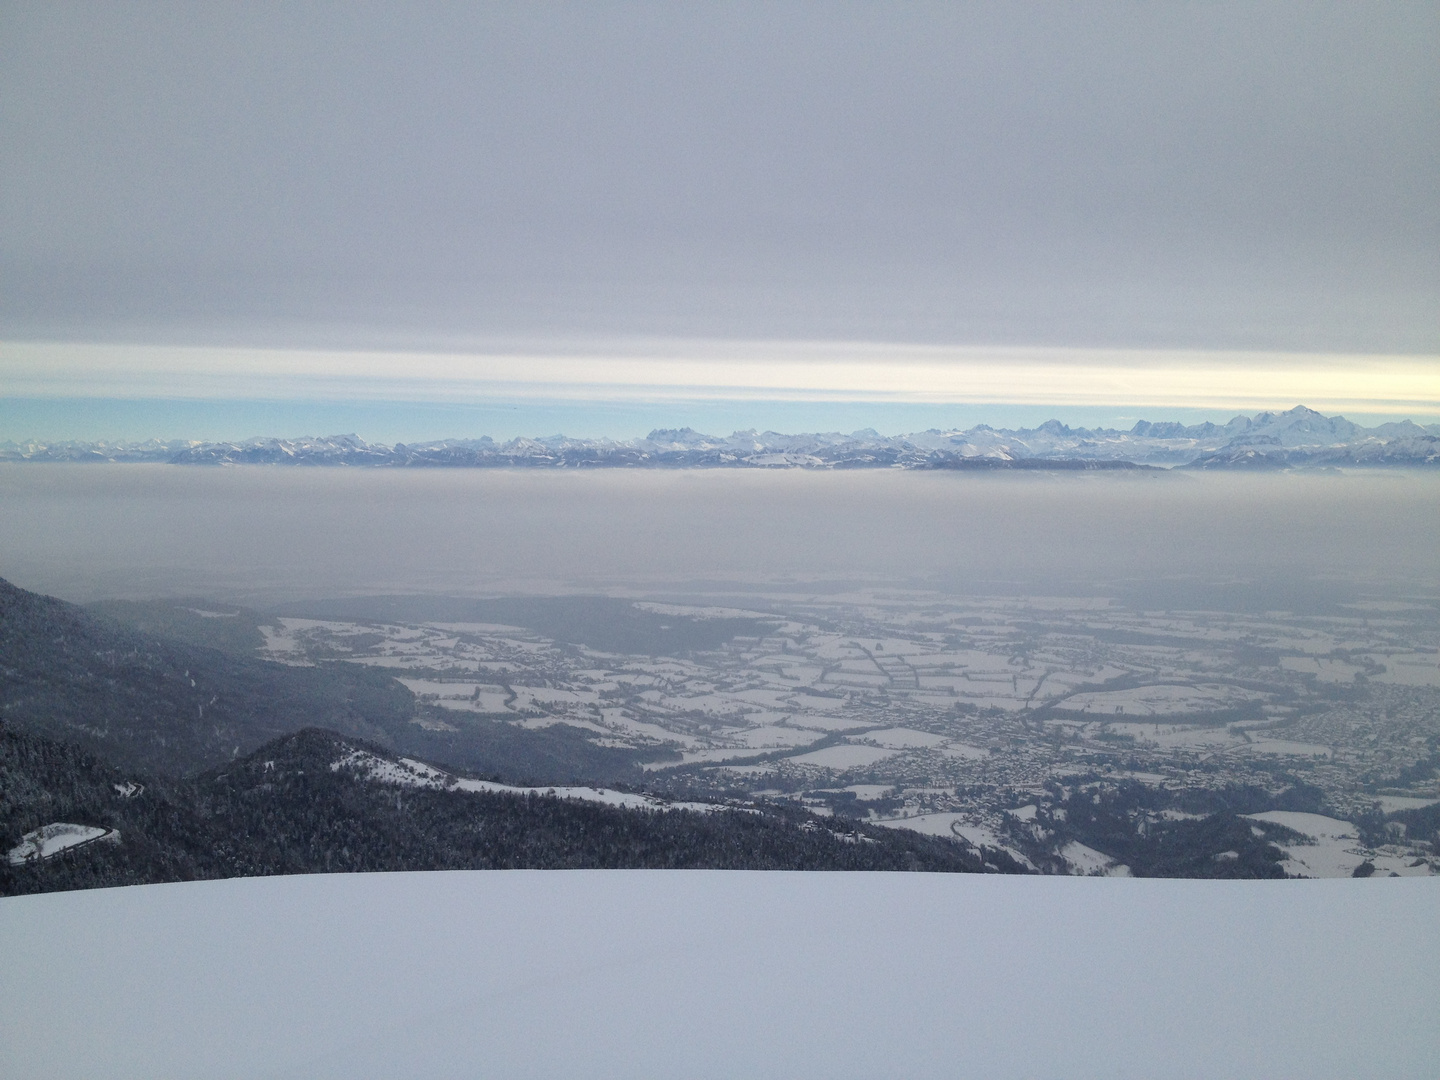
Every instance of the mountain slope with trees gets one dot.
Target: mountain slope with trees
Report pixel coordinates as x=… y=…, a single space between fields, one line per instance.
x=161 y=687
x=295 y=806
x=165 y=705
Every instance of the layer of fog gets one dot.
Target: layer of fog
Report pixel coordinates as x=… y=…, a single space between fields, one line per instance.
x=266 y=533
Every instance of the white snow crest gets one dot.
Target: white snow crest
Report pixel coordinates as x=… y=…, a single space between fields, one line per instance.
x=407 y=772
x=50 y=840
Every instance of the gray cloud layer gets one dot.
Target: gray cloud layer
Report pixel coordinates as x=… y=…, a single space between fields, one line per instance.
x=1249 y=175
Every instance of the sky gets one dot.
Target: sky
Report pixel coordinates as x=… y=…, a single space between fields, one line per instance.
x=449 y=220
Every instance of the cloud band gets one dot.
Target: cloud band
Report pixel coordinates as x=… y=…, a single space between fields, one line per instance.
x=734 y=371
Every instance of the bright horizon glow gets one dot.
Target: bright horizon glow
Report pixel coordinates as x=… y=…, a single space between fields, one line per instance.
x=697 y=370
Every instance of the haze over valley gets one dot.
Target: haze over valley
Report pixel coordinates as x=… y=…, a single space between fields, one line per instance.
x=1148 y=673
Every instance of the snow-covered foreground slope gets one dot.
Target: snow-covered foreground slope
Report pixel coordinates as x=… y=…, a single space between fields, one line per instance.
x=637 y=974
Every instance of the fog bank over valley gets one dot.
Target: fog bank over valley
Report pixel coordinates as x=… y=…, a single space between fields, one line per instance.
x=274 y=534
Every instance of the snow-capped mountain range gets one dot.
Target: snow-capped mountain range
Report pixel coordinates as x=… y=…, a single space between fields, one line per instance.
x=1300 y=437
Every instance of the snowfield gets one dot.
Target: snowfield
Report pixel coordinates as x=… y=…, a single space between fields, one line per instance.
x=1086 y=860
x=604 y=975
x=50 y=840
x=1334 y=849
x=951 y=824
x=1161 y=700
x=842 y=757
x=410 y=773
x=902 y=738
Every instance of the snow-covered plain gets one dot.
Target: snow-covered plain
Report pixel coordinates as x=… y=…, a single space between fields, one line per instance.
x=640 y=974
x=1161 y=700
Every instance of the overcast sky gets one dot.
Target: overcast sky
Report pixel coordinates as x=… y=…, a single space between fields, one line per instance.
x=450 y=177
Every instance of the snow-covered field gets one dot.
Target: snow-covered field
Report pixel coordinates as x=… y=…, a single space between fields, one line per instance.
x=902 y=738
x=1334 y=848
x=843 y=757
x=407 y=772
x=1161 y=700
x=1286 y=748
x=50 y=840
x=953 y=824
x=1412 y=669
x=1176 y=736
x=1391 y=803
x=1086 y=860
x=660 y=974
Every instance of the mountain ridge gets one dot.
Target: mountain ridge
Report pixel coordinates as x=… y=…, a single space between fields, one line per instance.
x=1298 y=437
x=152 y=701
x=315 y=801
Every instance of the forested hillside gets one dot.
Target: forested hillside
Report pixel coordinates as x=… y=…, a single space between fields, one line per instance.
x=164 y=705
x=160 y=687
x=295 y=807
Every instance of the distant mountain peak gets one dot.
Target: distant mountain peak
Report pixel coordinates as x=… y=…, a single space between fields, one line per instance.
x=1298 y=436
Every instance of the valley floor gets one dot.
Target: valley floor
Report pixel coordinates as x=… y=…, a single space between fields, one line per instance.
x=993 y=716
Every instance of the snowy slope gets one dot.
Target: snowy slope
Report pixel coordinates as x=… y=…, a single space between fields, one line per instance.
x=407 y=772
x=641 y=975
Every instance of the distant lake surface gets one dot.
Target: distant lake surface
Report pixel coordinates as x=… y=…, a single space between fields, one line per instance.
x=267 y=533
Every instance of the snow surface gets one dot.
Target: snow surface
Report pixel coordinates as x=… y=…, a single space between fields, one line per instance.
x=1086 y=860
x=900 y=738
x=651 y=974
x=461 y=696
x=1175 y=736
x=843 y=757
x=49 y=840
x=1161 y=700
x=1286 y=747
x=866 y=792
x=1335 y=849
x=1390 y=804
x=949 y=823
x=408 y=772
x=944 y=823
